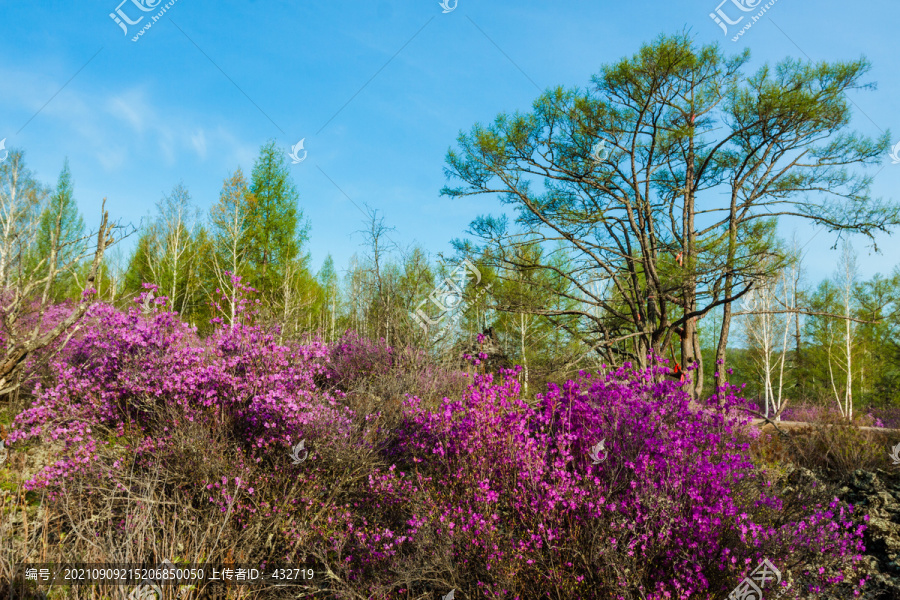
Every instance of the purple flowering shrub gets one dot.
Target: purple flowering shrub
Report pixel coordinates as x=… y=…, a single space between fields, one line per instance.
x=30 y=321
x=871 y=416
x=354 y=357
x=126 y=367
x=356 y=362
x=672 y=508
x=213 y=422
x=484 y=493
x=377 y=377
x=807 y=413
x=831 y=446
x=834 y=448
x=884 y=417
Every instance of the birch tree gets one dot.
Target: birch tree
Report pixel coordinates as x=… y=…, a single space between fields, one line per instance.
x=21 y=199
x=299 y=292
x=228 y=222
x=328 y=283
x=24 y=307
x=63 y=206
x=168 y=251
x=846 y=276
x=770 y=310
x=175 y=227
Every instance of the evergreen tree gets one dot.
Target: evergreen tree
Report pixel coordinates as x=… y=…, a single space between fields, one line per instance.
x=699 y=151
x=138 y=271
x=72 y=240
x=545 y=345
x=169 y=253
x=21 y=199
x=274 y=231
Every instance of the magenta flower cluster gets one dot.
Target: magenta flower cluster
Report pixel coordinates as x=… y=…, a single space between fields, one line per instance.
x=503 y=490
x=125 y=366
x=514 y=489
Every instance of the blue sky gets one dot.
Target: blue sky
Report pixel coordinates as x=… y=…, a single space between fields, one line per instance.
x=378 y=89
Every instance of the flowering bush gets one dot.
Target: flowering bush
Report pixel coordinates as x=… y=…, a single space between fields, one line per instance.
x=354 y=357
x=884 y=417
x=871 y=416
x=32 y=320
x=612 y=485
x=126 y=366
x=515 y=494
x=377 y=377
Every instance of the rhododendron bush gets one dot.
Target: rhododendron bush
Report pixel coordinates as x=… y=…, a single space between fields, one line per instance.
x=357 y=364
x=488 y=494
x=125 y=364
x=517 y=494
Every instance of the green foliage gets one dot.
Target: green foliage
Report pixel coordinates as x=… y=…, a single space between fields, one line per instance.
x=878 y=301
x=63 y=207
x=274 y=231
x=875 y=343
x=606 y=260
x=228 y=225
x=173 y=253
x=832 y=447
x=530 y=311
x=679 y=217
x=139 y=270
x=824 y=337
x=329 y=298
x=21 y=198
x=226 y=254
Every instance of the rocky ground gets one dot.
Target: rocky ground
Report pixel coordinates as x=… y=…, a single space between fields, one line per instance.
x=876 y=494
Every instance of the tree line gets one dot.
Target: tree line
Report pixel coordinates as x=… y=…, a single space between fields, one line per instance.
x=664 y=243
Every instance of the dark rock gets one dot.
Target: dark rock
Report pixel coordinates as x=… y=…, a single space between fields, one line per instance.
x=876 y=495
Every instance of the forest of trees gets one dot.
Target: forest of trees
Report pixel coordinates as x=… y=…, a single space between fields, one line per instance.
x=611 y=260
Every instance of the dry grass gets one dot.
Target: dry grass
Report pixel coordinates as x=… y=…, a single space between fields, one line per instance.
x=829 y=445
x=140 y=516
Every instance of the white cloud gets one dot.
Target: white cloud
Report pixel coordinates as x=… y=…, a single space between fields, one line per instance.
x=168 y=145
x=119 y=126
x=132 y=108
x=198 y=139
